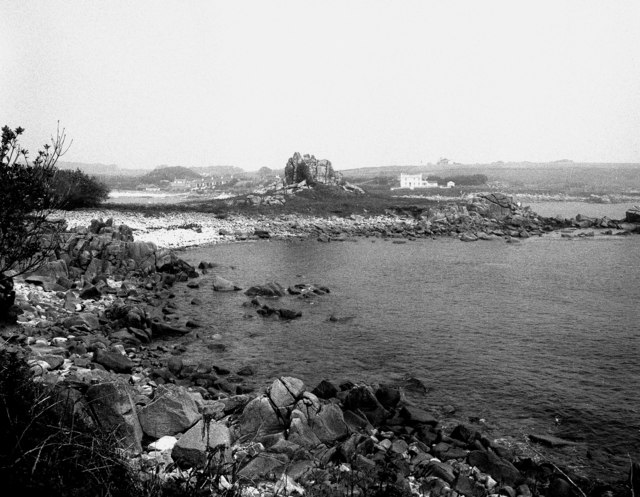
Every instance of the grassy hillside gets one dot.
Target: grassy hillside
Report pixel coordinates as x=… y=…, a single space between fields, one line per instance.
x=169 y=174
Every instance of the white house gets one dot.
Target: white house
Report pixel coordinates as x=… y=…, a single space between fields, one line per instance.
x=415 y=181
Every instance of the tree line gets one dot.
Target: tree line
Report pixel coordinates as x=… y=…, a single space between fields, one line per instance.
x=461 y=180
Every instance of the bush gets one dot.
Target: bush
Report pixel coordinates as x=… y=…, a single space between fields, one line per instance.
x=75 y=190
x=27 y=235
x=45 y=450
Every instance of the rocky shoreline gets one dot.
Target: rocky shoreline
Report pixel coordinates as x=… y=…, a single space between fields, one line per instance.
x=96 y=325
x=489 y=217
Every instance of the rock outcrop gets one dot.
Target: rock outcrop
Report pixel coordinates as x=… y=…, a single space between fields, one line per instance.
x=308 y=168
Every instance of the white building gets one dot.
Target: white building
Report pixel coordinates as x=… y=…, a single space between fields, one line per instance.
x=415 y=181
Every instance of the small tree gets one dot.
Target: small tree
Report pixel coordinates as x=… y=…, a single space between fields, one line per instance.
x=27 y=235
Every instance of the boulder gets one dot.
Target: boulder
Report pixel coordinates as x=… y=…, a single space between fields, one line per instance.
x=264 y=234
x=259 y=419
x=559 y=487
x=633 y=214
x=159 y=329
x=388 y=396
x=142 y=253
x=90 y=293
x=325 y=390
x=262 y=465
x=326 y=421
x=53 y=269
x=270 y=289
x=95 y=268
x=171 y=411
x=435 y=468
x=113 y=407
x=113 y=360
x=221 y=284
x=82 y=319
x=362 y=398
x=285 y=391
x=191 y=448
x=500 y=469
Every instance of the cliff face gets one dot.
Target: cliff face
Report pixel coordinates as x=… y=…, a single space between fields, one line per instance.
x=307 y=167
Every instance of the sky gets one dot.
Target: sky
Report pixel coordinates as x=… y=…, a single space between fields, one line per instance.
x=361 y=83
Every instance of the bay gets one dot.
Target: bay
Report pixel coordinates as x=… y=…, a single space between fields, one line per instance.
x=538 y=336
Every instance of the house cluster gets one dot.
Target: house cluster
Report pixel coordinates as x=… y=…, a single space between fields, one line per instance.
x=205 y=183
x=413 y=181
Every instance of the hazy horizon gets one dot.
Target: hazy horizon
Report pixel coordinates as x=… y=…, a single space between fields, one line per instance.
x=361 y=83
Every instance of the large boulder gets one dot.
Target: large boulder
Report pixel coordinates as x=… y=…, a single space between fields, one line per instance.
x=313 y=422
x=142 y=253
x=361 y=398
x=113 y=408
x=311 y=170
x=191 y=449
x=53 y=269
x=171 y=411
x=285 y=391
x=258 y=419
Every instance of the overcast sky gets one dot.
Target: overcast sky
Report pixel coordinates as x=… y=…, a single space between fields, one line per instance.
x=360 y=83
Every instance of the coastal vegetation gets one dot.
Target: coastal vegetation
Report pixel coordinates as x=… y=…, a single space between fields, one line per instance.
x=27 y=235
x=31 y=190
x=77 y=190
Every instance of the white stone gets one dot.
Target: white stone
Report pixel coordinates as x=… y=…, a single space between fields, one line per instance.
x=163 y=443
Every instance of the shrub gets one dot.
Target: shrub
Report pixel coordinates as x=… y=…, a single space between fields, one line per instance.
x=27 y=235
x=75 y=190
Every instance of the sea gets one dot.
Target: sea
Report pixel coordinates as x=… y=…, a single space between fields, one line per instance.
x=540 y=336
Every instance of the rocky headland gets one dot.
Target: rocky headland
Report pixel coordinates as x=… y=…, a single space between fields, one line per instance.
x=96 y=325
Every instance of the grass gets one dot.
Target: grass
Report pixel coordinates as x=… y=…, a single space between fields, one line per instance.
x=321 y=201
x=44 y=452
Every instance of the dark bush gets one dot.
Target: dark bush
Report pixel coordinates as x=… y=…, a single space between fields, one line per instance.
x=75 y=190
x=27 y=235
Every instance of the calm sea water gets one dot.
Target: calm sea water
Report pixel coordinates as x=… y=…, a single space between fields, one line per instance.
x=539 y=336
